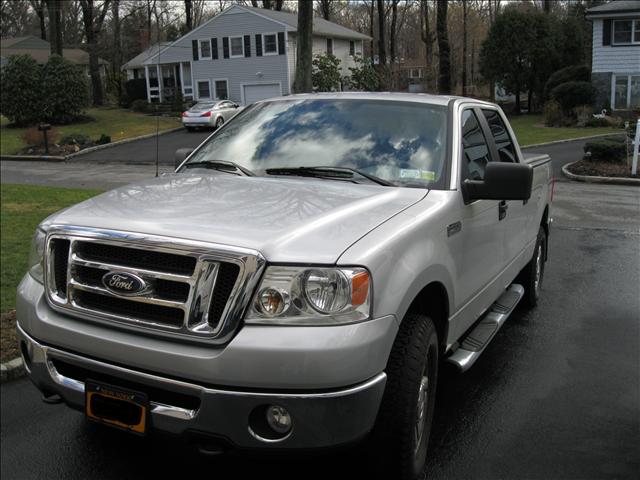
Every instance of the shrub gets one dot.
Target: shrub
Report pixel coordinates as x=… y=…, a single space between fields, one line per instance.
x=103 y=140
x=583 y=114
x=574 y=73
x=608 y=150
x=140 y=106
x=75 y=139
x=65 y=90
x=35 y=138
x=20 y=87
x=553 y=115
x=573 y=94
x=597 y=122
x=326 y=73
x=363 y=75
x=136 y=89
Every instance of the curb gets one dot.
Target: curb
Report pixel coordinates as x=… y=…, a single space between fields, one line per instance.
x=600 y=135
x=11 y=370
x=55 y=158
x=606 y=180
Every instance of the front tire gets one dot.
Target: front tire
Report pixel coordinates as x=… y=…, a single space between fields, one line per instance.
x=531 y=276
x=401 y=433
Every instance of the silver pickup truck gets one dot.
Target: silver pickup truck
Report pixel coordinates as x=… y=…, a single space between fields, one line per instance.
x=298 y=281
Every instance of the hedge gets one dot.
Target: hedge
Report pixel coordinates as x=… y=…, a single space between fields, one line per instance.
x=608 y=150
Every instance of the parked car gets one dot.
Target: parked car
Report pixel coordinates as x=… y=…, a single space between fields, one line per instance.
x=298 y=281
x=209 y=114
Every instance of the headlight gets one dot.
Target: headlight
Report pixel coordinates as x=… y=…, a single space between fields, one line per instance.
x=311 y=296
x=36 y=255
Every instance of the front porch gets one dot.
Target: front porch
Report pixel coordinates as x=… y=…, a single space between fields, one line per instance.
x=175 y=78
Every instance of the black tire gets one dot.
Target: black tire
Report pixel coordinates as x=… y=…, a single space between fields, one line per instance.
x=532 y=275
x=190 y=129
x=219 y=122
x=400 y=448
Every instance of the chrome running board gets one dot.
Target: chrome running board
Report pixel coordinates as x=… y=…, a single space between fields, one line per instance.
x=474 y=343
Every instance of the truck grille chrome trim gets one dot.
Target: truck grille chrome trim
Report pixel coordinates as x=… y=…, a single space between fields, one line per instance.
x=190 y=289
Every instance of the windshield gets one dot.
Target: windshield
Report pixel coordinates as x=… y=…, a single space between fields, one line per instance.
x=401 y=142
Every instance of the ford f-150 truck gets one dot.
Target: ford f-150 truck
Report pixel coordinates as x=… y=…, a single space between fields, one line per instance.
x=298 y=281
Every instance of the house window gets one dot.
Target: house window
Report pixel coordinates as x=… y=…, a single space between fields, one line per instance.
x=270 y=44
x=237 y=47
x=205 y=49
x=352 y=48
x=204 y=89
x=329 y=46
x=222 y=91
x=626 y=32
x=626 y=92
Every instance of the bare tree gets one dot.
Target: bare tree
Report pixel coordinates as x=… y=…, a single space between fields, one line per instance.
x=382 y=48
x=188 y=11
x=55 y=26
x=444 y=55
x=426 y=34
x=393 y=30
x=464 y=47
x=93 y=19
x=303 y=55
x=39 y=6
x=371 y=23
x=325 y=8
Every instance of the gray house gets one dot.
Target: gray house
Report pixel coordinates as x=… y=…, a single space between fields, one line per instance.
x=243 y=54
x=615 y=67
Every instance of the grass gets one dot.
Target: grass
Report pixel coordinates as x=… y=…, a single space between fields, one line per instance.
x=118 y=123
x=23 y=207
x=530 y=130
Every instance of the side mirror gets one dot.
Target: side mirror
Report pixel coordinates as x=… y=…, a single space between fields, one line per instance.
x=502 y=181
x=180 y=155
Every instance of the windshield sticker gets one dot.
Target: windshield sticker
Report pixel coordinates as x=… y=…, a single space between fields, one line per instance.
x=409 y=173
x=427 y=175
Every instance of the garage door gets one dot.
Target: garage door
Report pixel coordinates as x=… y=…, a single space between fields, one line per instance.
x=254 y=93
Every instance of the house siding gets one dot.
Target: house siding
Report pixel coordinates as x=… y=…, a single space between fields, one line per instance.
x=613 y=59
x=237 y=71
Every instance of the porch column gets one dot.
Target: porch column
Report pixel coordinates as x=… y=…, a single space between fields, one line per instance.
x=146 y=76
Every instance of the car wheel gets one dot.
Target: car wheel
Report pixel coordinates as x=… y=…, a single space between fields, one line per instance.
x=531 y=276
x=219 y=122
x=401 y=434
x=190 y=129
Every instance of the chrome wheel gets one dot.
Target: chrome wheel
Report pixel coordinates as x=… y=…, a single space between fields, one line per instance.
x=421 y=417
x=219 y=122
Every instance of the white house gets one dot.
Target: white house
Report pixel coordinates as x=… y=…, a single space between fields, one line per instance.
x=244 y=54
x=615 y=68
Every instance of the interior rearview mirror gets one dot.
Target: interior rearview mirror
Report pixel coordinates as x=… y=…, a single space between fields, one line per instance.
x=180 y=155
x=502 y=181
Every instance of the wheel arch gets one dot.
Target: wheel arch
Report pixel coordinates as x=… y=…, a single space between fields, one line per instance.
x=433 y=301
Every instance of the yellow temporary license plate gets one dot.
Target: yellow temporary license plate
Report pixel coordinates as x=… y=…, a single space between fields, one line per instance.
x=117 y=407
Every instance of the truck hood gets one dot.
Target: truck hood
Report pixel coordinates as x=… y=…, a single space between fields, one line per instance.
x=286 y=219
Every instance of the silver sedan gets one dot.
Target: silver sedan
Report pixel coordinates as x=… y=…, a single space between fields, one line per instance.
x=209 y=114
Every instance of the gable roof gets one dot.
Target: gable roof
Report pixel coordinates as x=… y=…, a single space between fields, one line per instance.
x=28 y=41
x=40 y=50
x=138 y=60
x=614 y=7
x=320 y=25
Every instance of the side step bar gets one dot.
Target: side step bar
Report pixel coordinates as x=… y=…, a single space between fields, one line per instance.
x=472 y=346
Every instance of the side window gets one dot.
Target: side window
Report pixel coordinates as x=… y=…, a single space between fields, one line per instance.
x=504 y=144
x=475 y=152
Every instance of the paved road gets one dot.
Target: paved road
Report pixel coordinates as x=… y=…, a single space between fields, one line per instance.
x=556 y=394
x=109 y=168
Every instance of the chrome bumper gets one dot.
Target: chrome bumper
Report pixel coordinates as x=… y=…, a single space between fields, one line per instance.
x=320 y=419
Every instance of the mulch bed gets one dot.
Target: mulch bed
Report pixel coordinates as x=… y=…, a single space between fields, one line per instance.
x=601 y=169
x=61 y=150
x=8 y=337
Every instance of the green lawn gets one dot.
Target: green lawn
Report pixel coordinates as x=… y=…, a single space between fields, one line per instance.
x=23 y=207
x=118 y=123
x=530 y=130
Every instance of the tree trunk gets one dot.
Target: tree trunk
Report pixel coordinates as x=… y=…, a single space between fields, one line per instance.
x=55 y=26
x=464 y=47
x=444 y=57
x=303 y=82
x=427 y=38
x=188 y=9
x=325 y=9
x=517 y=110
x=117 y=49
x=371 y=16
x=382 y=49
x=38 y=6
x=93 y=21
x=547 y=6
x=392 y=33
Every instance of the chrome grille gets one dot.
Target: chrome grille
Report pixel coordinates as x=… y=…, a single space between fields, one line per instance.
x=192 y=289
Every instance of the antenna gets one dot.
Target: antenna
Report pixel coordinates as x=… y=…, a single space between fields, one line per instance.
x=159 y=70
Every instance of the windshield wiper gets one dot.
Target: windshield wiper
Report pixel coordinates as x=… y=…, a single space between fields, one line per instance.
x=328 y=172
x=222 y=165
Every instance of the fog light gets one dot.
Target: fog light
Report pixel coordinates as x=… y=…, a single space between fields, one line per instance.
x=273 y=301
x=278 y=419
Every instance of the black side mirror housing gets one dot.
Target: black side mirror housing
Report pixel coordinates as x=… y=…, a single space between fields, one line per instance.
x=502 y=181
x=180 y=155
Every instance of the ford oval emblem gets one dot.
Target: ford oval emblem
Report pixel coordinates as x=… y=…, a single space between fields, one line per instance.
x=122 y=283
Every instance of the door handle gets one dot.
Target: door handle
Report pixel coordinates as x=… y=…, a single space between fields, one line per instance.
x=502 y=210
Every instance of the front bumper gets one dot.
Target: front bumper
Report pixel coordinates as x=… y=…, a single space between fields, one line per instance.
x=320 y=419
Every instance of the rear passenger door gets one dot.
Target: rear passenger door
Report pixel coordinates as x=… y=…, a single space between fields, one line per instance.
x=514 y=211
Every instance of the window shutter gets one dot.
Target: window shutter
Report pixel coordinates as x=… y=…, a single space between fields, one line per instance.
x=247 y=45
x=281 y=49
x=258 y=45
x=214 y=49
x=194 y=47
x=606 y=32
x=225 y=47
